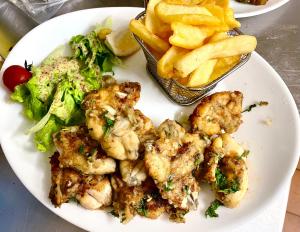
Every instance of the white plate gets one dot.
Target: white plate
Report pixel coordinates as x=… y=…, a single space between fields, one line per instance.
x=243 y=10
x=274 y=149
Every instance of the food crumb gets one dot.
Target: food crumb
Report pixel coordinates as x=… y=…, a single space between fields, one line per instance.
x=267 y=121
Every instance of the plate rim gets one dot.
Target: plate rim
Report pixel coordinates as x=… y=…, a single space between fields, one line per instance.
x=255 y=55
x=260 y=11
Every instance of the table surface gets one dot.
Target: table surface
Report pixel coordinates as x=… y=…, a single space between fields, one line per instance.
x=278 y=37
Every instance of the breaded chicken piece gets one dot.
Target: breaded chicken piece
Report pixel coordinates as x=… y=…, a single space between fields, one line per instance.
x=91 y=191
x=96 y=192
x=144 y=200
x=113 y=122
x=235 y=170
x=221 y=146
x=79 y=151
x=217 y=112
x=182 y=193
x=173 y=153
x=133 y=172
x=170 y=162
x=225 y=168
x=66 y=182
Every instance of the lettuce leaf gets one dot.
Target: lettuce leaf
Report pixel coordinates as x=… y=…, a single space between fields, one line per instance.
x=43 y=138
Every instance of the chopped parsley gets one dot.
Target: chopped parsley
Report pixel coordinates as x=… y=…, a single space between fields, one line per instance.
x=211 y=210
x=245 y=154
x=187 y=190
x=114 y=213
x=224 y=185
x=81 y=149
x=198 y=160
x=169 y=184
x=109 y=123
x=261 y=103
x=142 y=208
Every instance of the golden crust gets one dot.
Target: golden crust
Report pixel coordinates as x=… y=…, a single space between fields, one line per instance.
x=217 y=112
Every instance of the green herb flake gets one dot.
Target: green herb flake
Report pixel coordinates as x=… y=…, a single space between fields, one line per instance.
x=109 y=123
x=245 y=154
x=211 y=210
x=225 y=186
x=81 y=149
x=186 y=190
x=261 y=103
x=114 y=213
x=169 y=184
x=142 y=208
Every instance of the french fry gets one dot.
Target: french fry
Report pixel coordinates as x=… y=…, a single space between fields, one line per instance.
x=187 y=36
x=192 y=19
x=150 y=39
x=218 y=36
x=164 y=9
x=165 y=66
x=154 y=24
x=232 y=46
x=223 y=65
x=202 y=74
x=222 y=3
x=183 y=2
x=230 y=20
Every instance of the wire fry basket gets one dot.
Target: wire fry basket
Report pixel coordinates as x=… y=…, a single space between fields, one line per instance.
x=177 y=92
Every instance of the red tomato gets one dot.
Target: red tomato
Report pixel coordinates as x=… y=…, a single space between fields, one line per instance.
x=15 y=75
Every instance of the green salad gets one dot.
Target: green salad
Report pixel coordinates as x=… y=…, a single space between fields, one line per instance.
x=53 y=95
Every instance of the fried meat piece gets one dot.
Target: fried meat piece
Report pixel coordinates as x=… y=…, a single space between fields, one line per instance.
x=113 y=122
x=66 y=182
x=225 y=169
x=133 y=172
x=144 y=200
x=79 y=151
x=170 y=162
x=91 y=191
x=234 y=169
x=217 y=112
x=181 y=193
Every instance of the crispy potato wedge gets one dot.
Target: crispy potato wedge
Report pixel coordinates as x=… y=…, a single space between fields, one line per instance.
x=165 y=66
x=187 y=36
x=223 y=65
x=183 y=2
x=230 y=20
x=149 y=38
x=202 y=74
x=154 y=24
x=232 y=46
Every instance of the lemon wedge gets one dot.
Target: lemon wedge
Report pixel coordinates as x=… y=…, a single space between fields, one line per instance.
x=122 y=42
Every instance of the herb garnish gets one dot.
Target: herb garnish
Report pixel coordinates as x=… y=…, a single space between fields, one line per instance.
x=142 y=208
x=211 y=210
x=198 y=160
x=186 y=189
x=114 y=213
x=109 y=123
x=245 y=154
x=224 y=185
x=81 y=149
x=169 y=184
x=261 y=103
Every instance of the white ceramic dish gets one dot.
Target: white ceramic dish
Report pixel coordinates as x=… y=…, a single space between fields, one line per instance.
x=246 y=10
x=274 y=149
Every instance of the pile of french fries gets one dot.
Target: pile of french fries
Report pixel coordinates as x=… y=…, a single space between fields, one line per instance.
x=190 y=39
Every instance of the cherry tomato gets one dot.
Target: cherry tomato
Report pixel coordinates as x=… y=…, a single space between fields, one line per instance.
x=15 y=75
